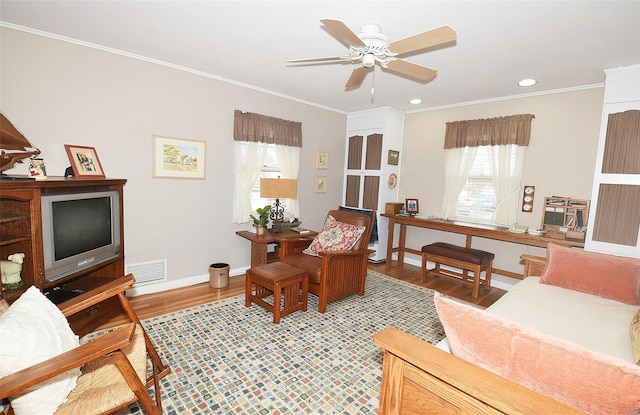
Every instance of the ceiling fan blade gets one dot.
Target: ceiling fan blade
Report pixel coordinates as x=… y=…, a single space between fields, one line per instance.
x=341 y=31
x=412 y=70
x=327 y=59
x=356 y=78
x=433 y=37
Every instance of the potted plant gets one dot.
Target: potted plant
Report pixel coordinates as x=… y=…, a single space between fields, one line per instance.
x=261 y=221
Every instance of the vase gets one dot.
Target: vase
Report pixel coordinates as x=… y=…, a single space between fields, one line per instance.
x=261 y=230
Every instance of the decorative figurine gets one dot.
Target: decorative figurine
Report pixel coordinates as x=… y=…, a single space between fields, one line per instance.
x=11 y=271
x=37 y=170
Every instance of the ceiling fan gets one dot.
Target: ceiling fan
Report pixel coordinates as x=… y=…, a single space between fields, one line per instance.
x=371 y=46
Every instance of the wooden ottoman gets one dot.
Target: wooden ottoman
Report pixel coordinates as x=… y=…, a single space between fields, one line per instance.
x=280 y=280
x=467 y=259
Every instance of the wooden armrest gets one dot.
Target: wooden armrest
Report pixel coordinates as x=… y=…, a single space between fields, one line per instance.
x=533 y=265
x=97 y=295
x=347 y=253
x=103 y=345
x=461 y=378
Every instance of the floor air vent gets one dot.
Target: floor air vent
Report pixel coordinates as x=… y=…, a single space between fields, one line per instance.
x=148 y=272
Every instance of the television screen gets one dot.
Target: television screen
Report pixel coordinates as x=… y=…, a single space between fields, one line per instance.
x=81 y=225
x=79 y=231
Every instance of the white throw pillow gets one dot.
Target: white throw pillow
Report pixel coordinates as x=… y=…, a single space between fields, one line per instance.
x=33 y=330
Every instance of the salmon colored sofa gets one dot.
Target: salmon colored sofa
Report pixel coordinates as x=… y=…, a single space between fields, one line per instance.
x=569 y=331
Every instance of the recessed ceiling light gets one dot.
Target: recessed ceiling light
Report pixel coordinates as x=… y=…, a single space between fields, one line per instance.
x=527 y=82
x=416 y=101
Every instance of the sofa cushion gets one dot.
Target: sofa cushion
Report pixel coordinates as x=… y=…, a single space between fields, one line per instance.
x=605 y=275
x=335 y=236
x=635 y=337
x=33 y=330
x=589 y=381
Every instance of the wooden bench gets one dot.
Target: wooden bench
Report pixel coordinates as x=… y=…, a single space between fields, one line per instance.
x=466 y=259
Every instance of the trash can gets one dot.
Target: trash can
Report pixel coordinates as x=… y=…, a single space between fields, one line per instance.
x=218 y=275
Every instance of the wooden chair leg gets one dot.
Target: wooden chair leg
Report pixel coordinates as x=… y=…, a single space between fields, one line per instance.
x=140 y=390
x=277 y=292
x=160 y=370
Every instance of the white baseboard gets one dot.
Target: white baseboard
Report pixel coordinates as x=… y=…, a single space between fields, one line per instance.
x=198 y=279
x=181 y=283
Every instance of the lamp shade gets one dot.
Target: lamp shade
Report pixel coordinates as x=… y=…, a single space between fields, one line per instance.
x=279 y=188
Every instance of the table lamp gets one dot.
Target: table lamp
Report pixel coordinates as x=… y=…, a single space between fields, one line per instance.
x=278 y=188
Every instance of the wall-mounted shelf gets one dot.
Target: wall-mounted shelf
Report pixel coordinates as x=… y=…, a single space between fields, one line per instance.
x=565 y=218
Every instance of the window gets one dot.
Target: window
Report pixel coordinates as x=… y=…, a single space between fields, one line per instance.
x=477 y=200
x=270 y=170
x=483 y=167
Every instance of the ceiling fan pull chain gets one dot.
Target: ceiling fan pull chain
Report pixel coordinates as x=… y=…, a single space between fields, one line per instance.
x=373 y=82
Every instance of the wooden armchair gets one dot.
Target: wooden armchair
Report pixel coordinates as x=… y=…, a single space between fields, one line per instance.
x=114 y=365
x=334 y=274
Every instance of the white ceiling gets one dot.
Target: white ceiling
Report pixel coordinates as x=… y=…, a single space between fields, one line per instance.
x=563 y=44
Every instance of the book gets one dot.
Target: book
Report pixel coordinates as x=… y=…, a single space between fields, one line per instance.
x=300 y=230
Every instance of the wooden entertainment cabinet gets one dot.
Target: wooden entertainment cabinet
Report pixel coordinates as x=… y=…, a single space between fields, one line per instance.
x=21 y=231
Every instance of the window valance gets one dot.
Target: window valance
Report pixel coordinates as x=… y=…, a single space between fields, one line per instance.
x=252 y=127
x=514 y=129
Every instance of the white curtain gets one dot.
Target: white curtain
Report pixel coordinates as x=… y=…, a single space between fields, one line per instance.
x=457 y=168
x=289 y=162
x=507 y=166
x=248 y=161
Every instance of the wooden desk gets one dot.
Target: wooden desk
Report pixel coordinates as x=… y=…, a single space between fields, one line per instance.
x=259 y=243
x=499 y=233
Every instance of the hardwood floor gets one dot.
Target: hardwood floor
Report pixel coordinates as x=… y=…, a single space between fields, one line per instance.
x=151 y=305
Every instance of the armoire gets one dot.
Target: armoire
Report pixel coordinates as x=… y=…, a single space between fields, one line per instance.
x=373 y=154
x=615 y=199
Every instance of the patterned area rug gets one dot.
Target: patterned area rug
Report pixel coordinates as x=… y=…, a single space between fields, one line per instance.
x=230 y=359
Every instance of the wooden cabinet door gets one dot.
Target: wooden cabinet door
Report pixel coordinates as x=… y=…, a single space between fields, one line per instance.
x=615 y=224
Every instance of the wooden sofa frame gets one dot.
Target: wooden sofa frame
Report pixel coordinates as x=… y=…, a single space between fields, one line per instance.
x=419 y=379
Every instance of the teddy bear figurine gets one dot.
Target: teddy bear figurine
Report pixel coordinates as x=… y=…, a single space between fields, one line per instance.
x=11 y=270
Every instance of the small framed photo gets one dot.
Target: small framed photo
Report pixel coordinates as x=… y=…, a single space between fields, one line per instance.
x=178 y=158
x=393 y=158
x=321 y=184
x=84 y=161
x=412 y=206
x=322 y=160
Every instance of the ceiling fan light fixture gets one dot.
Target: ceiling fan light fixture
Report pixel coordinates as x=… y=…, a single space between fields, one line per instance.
x=527 y=82
x=368 y=60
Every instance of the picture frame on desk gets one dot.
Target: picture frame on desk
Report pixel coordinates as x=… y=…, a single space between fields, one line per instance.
x=411 y=206
x=84 y=161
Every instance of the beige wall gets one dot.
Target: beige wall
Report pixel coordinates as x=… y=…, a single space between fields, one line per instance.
x=60 y=93
x=560 y=158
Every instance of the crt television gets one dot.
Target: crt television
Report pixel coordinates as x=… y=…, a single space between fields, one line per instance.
x=79 y=230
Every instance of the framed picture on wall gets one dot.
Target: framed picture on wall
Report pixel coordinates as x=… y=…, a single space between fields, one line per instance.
x=412 y=206
x=322 y=160
x=178 y=158
x=321 y=184
x=84 y=161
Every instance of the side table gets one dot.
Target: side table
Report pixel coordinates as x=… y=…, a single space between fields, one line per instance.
x=259 y=243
